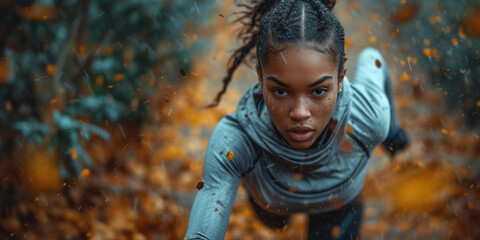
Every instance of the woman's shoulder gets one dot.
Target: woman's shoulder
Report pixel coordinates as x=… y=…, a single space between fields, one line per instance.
x=230 y=128
x=369 y=115
x=230 y=142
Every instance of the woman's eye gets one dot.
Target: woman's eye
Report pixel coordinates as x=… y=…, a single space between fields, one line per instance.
x=318 y=92
x=280 y=92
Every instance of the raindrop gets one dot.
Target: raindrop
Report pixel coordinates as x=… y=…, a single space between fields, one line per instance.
x=86 y=74
x=198 y=11
x=284 y=61
x=121 y=131
x=104 y=194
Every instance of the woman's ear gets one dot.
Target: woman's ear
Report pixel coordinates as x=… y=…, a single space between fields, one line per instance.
x=260 y=78
x=341 y=77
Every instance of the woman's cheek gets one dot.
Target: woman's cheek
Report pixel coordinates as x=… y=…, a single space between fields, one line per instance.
x=326 y=106
x=331 y=99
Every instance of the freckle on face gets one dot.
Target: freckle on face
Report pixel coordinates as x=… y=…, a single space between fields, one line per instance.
x=305 y=67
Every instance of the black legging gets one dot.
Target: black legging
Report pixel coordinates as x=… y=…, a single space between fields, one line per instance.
x=347 y=218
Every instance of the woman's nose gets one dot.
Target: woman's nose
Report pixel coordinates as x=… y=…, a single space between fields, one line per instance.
x=300 y=110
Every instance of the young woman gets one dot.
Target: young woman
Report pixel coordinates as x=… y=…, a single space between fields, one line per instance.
x=301 y=137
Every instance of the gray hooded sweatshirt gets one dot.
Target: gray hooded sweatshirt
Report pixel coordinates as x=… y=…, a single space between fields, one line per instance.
x=285 y=180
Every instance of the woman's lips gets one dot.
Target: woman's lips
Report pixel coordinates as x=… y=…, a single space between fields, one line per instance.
x=300 y=133
x=300 y=136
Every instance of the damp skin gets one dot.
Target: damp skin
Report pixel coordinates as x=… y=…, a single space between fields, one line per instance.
x=300 y=86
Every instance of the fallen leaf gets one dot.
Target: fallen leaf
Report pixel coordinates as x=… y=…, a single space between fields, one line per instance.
x=85 y=173
x=182 y=71
x=335 y=231
x=230 y=155
x=405 y=13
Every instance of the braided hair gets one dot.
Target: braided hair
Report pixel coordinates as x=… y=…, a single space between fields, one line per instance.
x=272 y=25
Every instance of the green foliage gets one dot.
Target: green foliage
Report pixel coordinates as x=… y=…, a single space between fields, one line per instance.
x=99 y=61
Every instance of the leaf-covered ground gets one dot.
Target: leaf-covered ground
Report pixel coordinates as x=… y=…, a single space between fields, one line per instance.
x=144 y=180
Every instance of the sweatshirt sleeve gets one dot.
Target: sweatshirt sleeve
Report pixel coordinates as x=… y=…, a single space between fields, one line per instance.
x=213 y=203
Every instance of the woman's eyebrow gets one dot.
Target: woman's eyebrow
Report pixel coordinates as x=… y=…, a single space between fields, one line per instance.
x=277 y=81
x=320 y=80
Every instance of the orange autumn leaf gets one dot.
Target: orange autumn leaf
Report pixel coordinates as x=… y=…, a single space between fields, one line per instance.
x=405 y=13
x=378 y=63
x=73 y=153
x=108 y=51
x=445 y=131
x=51 y=69
x=4 y=71
x=470 y=24
x=99 y=80
x=454 y=41
x=427 y=52
x=427 y=42
x=297 y=176
x=118 y=77
x=8 y=106
x=230 y=155
x=353 y=6
x=349 y=129
x=404 y=77
x=395 y=33
x=348 y=42
x=346 y=146
x=81 y=49
x=335 y=231
x=85 y=173
x=38 y=12
x=41 y=172
x=435 y=19
x=461 y=33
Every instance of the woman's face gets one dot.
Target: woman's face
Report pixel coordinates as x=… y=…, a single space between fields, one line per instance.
x=300 y=87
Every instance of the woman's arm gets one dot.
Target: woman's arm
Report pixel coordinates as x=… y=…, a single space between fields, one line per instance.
x=213 y=204
x=211 y=209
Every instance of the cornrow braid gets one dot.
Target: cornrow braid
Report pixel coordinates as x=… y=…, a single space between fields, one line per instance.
x=272 y=25
x=250 y=18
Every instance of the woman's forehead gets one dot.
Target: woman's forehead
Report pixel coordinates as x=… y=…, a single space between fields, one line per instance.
x=299 y=60
x=280 y=50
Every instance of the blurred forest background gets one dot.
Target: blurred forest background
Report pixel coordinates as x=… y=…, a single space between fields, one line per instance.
x=103 y=127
